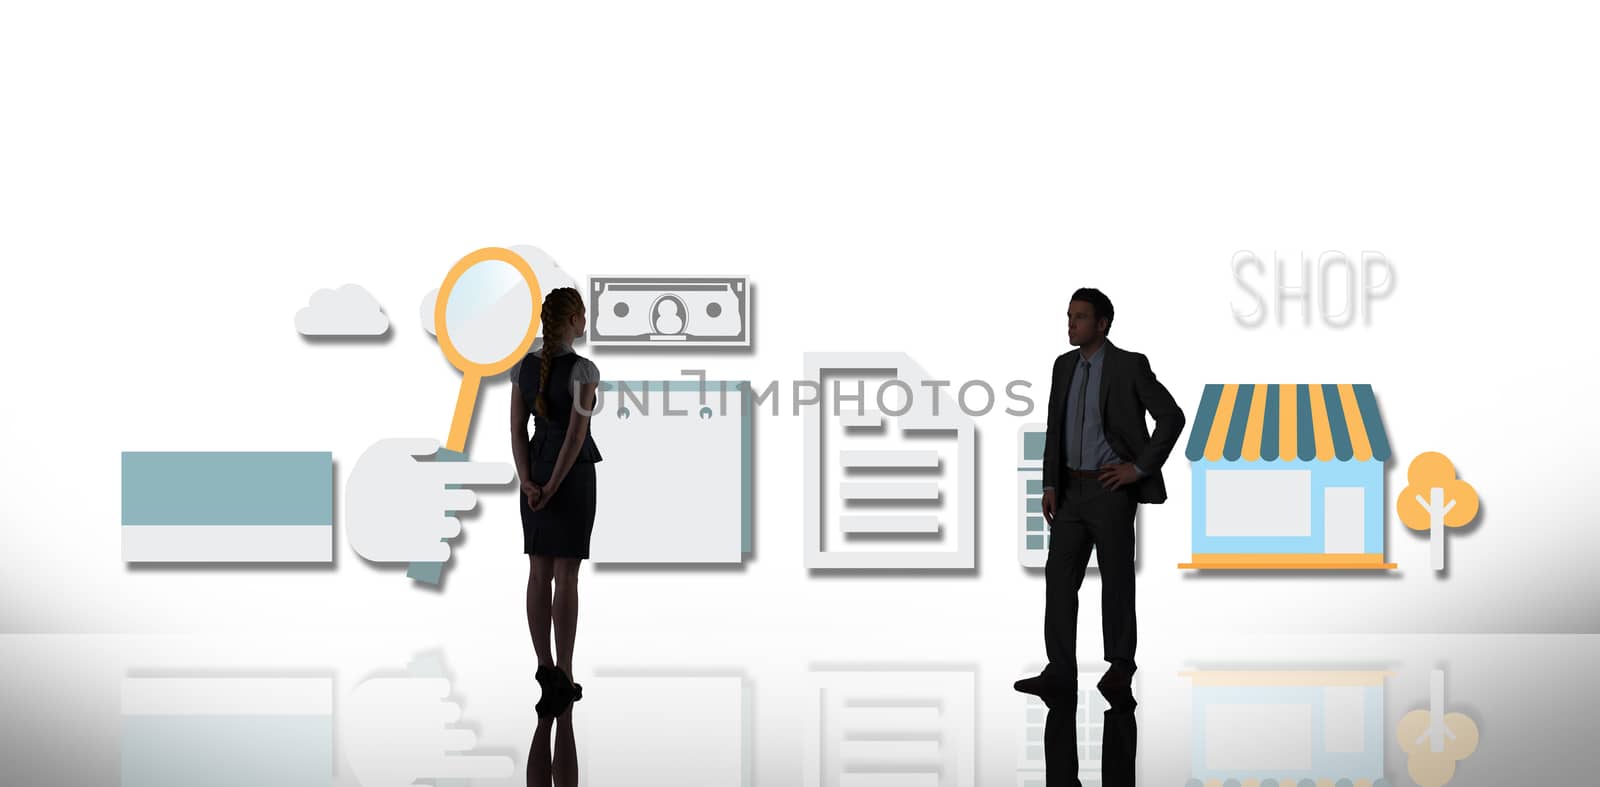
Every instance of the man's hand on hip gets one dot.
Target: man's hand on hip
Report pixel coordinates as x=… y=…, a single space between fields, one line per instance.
x=1118 y=475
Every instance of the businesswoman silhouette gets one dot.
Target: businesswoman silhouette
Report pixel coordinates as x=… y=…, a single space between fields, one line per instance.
x=556 y=466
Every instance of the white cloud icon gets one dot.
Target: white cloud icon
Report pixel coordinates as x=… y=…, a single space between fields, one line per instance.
x=347 y=311
x=425 y=311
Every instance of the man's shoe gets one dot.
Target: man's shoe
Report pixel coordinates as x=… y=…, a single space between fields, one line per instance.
x=1048 y=689
x=1117 y=687
x=1115 y=679
x=1120 y=699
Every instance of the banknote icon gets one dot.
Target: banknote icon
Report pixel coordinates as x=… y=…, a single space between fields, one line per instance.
x=656 y=311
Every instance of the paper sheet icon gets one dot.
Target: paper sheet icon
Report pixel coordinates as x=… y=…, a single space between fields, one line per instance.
x=890 y=476
x=675 y=485
x=874 y=725
x=709 y=742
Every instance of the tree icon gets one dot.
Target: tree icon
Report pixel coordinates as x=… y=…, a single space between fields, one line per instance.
x=1435 y=499
x=1434 y=741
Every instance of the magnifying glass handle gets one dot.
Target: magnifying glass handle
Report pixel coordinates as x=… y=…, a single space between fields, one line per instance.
x=454 y=450
x=431 y=573
x=465 y=402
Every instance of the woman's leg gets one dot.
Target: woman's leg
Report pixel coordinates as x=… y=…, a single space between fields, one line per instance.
x=564 y=760
x=565 y=613
x=541 y=569
x=539 y=764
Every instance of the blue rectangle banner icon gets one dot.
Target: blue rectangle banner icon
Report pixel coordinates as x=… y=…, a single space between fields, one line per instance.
x=249 y=731
x=227 y=506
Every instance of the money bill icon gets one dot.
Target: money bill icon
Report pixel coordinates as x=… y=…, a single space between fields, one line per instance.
x=656 y=311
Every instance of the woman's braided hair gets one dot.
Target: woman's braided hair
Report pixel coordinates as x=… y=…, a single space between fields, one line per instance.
x=559 y=306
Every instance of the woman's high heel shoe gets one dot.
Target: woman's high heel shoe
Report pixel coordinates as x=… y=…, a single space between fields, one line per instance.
x=549 y=678
x=555 y=680
x=554 y=696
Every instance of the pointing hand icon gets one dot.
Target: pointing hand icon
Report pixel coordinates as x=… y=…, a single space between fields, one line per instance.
x=395 y=505
x=398 y=732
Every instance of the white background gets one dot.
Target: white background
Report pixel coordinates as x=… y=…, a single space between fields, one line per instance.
x=935 y=178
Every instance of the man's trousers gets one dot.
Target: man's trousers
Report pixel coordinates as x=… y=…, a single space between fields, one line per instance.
x=1089 y=516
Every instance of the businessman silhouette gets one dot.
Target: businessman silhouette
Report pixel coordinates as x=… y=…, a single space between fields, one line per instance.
x=1100 y=462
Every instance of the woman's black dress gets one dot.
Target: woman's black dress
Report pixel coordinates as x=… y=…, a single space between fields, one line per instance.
x=562 y=528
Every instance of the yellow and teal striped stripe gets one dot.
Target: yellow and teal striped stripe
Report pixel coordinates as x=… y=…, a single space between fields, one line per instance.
x=1250 y=422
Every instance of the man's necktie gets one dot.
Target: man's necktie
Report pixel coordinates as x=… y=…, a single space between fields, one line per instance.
x=1075 y=447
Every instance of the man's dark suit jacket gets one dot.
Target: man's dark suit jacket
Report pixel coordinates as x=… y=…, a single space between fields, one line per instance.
x=1127 y=390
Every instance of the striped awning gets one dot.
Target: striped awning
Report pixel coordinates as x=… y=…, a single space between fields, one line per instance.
x=1250 y=422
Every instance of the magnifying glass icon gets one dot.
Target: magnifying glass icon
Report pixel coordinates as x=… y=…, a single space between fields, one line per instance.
x=486 y=318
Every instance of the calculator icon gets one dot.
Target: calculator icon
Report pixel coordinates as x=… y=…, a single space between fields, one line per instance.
x=1033 y=533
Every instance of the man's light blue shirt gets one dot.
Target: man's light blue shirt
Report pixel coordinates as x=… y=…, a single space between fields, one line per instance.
x=1097 y=452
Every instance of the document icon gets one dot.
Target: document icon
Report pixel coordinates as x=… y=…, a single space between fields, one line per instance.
x=890 y=467
x=891 y=725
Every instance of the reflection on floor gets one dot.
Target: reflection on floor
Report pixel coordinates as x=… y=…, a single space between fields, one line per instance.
x=150 y=712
